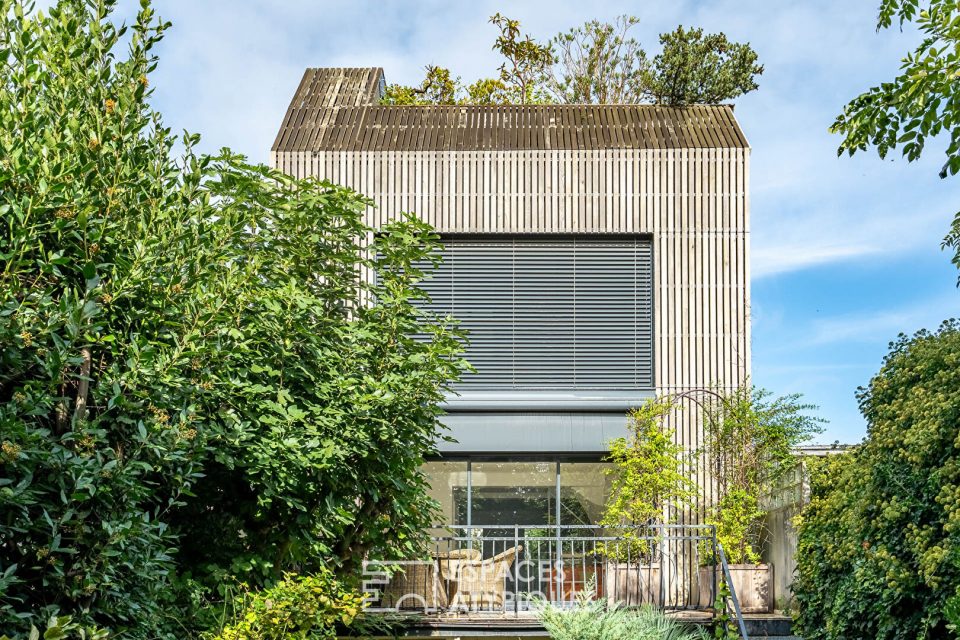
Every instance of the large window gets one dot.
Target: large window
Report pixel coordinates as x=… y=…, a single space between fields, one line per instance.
x=525 y=494
x=545 y=312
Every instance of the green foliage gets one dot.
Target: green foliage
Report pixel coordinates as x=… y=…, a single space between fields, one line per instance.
x=519 y=81
x=597 y=63
x=738 y=519
x=195 y=385
x=99 y=411
x=525 y=61
x=724 y=626
x=650 y=480
x=487 y=91
x=64 y=628
x=297 y=607
x=438 y=87
x=951 y=612
x=878 y=543
x=750 y=441
x=694 y=68
x=594 y=620
x=922 y=102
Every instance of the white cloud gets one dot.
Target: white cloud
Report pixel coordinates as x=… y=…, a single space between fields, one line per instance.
x=228 y=69
x=785 y=257
x=881 y=325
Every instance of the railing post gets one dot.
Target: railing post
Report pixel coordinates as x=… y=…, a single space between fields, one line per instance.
x=516 y=575
x=733 y=593
x=664 y=544
x=558 y=564
x=716 y=557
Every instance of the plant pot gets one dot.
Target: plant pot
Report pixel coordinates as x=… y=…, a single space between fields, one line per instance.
x=753 y=584
x=576 y=579
x=630 y=584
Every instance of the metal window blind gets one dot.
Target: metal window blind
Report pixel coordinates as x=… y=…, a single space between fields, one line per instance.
x=551 y=313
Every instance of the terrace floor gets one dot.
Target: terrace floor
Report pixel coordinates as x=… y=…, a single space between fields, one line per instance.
x=464 y=626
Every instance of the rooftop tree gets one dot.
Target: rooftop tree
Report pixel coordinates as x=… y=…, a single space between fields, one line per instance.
x=698 y=68
x=598 y=63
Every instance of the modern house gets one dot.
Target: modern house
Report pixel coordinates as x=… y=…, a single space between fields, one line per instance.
x=598 y=256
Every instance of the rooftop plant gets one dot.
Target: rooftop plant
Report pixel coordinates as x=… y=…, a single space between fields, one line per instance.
x=597 y=63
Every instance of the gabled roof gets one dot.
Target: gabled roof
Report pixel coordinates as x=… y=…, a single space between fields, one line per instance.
x=339 y=110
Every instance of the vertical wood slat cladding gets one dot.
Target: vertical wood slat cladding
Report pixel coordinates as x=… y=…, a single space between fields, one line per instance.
x=694 y=203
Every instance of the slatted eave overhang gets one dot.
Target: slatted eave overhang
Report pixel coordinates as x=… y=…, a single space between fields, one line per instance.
x=322 y=93
x=338 y=110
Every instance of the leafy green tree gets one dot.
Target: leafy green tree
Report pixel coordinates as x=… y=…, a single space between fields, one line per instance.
x=519 y=81
x=525 y=63
x=922 y=102
x=438 y=87
x=598 y=63
x=651 y=482
x=750 y=443
x=879 y=543
x=201 y=381
x=698 y=68
x=487 y=91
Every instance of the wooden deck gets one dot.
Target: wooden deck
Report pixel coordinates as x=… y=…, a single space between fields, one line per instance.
x=524 y=624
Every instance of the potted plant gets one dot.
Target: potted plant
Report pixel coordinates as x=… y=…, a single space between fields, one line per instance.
x=651 y=483
x=750 y=443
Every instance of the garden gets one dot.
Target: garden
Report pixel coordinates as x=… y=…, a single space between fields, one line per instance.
x=208 y=421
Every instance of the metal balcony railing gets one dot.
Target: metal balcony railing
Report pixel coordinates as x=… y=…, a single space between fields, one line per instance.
x=507 y=569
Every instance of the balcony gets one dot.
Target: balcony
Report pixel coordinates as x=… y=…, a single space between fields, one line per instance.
x=498 y=572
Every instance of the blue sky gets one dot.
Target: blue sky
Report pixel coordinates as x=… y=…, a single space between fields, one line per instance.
x=845 y=251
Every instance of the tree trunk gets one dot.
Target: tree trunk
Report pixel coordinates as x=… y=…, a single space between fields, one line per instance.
x=79 y=412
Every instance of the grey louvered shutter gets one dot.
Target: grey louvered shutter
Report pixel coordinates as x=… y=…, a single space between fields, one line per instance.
x=551 y=312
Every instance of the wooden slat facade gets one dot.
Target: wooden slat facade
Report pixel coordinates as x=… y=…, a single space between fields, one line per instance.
x=693 y=202
x=679 y=175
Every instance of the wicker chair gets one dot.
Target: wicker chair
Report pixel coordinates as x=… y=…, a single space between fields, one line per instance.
x=482 y=583
x=418 y=585
x=414 y=586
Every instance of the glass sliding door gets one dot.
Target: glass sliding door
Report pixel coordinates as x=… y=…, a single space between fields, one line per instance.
x=449 y=482
x=584 y=489
x=525 y=494
x=513 y=493
x=498 y=506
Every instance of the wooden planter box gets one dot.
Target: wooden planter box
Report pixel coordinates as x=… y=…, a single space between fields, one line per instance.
x=576 y=579
x=632 y=584
x=752 y=582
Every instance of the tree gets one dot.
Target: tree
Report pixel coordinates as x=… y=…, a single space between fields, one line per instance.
x=195 y=385
x=487 y=91
x=750 y=443
x=650 y=480
x=598 y=63
x=525 y=64
x=920 y=103
x=879 y=543
x=438 y=87
x=694 y=68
